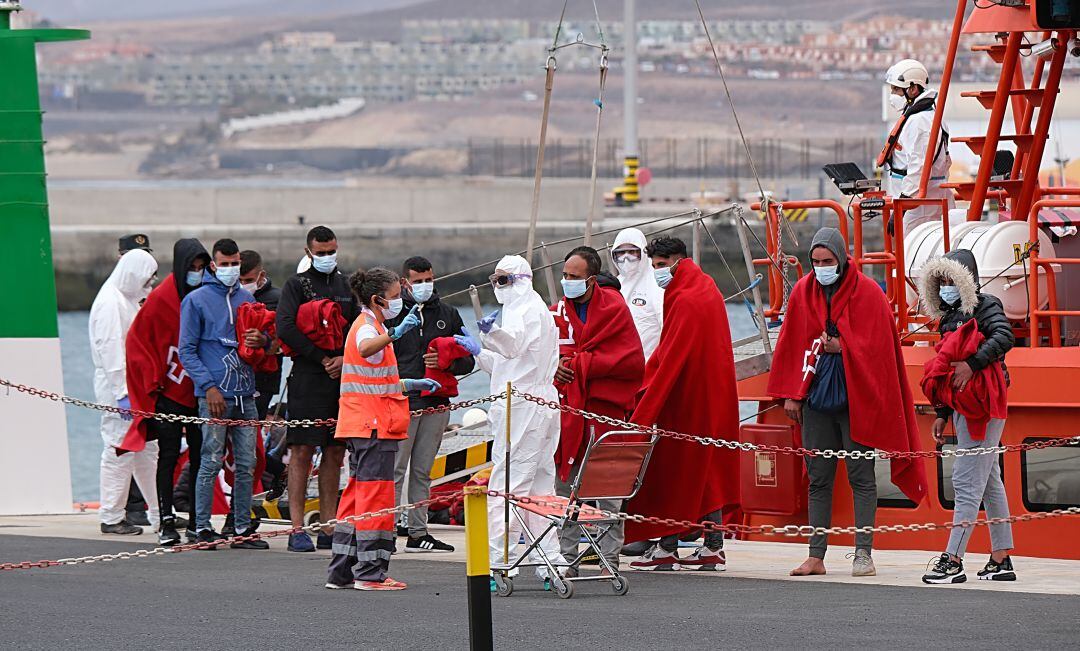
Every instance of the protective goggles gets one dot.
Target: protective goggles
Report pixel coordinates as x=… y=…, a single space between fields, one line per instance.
x=627 y=255
x=505 y=280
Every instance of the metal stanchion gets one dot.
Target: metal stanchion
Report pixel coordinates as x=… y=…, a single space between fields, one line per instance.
x=477 y=564
x=506 y=484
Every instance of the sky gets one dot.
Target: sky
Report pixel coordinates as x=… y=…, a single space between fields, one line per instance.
x=68 y=11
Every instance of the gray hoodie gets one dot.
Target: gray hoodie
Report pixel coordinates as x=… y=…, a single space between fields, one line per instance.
x=830 y=238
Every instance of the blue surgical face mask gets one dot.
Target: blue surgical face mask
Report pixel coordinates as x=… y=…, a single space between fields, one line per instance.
x=574 y=288
x=949 y=293
x=324 y=263
x=228 y=275
x=663 y=276
x=421 y=292
x=193 y=278
x=393 y=307
x=827 y=275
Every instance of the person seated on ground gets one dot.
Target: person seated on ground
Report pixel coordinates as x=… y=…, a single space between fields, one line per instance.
x=971 y=391
x=274 y=476
x=689 y=387
x=600 y=370
x=858 y=399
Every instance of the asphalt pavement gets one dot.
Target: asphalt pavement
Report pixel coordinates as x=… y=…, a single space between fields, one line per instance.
x=232 y=599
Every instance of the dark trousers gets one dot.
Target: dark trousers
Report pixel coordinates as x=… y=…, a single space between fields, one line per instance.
x=361 y=548
x=822 y=431
x=168 y=435
x=714 y=539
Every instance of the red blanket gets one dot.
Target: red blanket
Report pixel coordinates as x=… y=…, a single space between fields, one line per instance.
x=689 y=387
x=880 y=408
x=448 y=350
x=984 y=397
x=608 y=362
x=223 y=483
x=255 y=315
x=153 y=362
x=321 y=322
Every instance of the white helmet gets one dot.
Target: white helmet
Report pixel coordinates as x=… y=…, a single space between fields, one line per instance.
x=907 y=72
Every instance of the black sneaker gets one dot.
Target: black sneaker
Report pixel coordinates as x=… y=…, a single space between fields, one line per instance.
x=138 y=517
x=229 y=528
x=428 y=543
x=945 y=570
x=190 y=535
x=122 y=528
x=168 y=535
x=258 y=543
x=208 y=536
x=1002 y=571
x=180 y=522
x=402 y=532
x=324 y=541
x=277 y=489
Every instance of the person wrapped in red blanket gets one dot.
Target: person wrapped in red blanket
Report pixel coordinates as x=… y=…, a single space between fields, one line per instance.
x=447 y=350
x=984 y=397
x=157 y=381
x=850 y=316
x=689 y=387
x=255 y=316
x=600 y=370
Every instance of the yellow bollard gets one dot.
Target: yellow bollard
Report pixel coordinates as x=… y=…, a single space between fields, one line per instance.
x=506 y=482
x=477 y=568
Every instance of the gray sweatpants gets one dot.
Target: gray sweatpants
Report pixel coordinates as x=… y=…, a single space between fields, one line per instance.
x=833 y=432
x=415 y=456
x=977 y=479
x=570 y=537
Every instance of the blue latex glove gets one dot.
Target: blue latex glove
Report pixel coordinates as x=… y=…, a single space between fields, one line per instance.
x=124 y=403
x=423 y=384
x=411 y=320
x=468 y=342
x=487 y=322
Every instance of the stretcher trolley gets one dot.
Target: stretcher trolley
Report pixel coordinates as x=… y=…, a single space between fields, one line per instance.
x=612 y=469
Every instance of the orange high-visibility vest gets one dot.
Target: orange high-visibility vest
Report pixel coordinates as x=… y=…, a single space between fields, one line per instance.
x=371 y=398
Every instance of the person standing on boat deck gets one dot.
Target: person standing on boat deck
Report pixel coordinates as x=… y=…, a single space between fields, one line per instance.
x=950 y=291
x=689 y=387
x=314 y=382
x=643 y=296
x=254 y=279
x=224 y=386
x=856 y=399
x=157 y=382
x=416 y=454
x=904 y=154
x=600 y=370
x=373 y=418
x=111 y=315
x=523 y=349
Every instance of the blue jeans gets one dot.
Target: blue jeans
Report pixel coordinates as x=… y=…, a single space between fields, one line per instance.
x=213 y=454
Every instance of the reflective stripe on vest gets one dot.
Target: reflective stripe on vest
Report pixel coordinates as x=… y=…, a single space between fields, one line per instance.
x=371 y=389
x=368 y=371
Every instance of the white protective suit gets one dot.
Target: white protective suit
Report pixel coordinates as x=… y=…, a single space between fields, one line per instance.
x=905 y=167
x=111 y=315
x=523 y=349
x=643 y=296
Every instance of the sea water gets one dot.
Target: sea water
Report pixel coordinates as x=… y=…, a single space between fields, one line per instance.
x=84 y=431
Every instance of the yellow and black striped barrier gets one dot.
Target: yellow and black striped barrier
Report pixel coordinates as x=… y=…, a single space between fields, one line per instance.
x=477 y=568
x=791 y=215
x=461 y=463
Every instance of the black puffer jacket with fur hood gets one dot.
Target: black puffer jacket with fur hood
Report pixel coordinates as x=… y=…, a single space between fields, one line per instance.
x=960 y=267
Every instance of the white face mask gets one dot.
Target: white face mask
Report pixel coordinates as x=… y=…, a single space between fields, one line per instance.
x=898 y=103
x=421 y=292
x=627 y=267
x=393 y=308
x=503 y=294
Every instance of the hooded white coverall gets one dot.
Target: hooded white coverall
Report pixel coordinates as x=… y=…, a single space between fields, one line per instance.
x=906 y=166
x=522 y=349
x=111 y=315
x=643 y=296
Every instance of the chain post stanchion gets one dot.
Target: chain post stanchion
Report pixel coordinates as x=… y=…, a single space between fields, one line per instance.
x=477 y=568
x=506 y=482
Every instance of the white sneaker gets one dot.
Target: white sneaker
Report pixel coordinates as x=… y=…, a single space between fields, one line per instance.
x=656 y=559
x=704 y=560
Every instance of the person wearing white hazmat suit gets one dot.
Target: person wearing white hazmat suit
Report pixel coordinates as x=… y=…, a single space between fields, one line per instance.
x=522 y=349
x=111 y=315
x=643 y=296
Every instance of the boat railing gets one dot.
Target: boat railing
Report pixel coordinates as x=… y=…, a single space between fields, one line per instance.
x=1045 y=265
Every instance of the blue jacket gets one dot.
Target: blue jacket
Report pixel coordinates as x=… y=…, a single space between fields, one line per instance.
x=208 y=343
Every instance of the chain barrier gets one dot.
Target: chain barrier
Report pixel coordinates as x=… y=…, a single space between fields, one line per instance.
x=175 y=549
x=792 y=530
x=551 y=404
x=801 y=451
x=231 y=422
x=789 y=531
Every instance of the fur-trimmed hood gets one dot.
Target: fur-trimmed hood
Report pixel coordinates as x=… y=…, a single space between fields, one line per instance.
x=958 y=266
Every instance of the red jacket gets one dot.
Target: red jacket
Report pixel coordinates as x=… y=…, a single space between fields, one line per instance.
x=984 y=397
x=608 y=362
x=321 y=322
x=255 y=315
x=448 y=351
